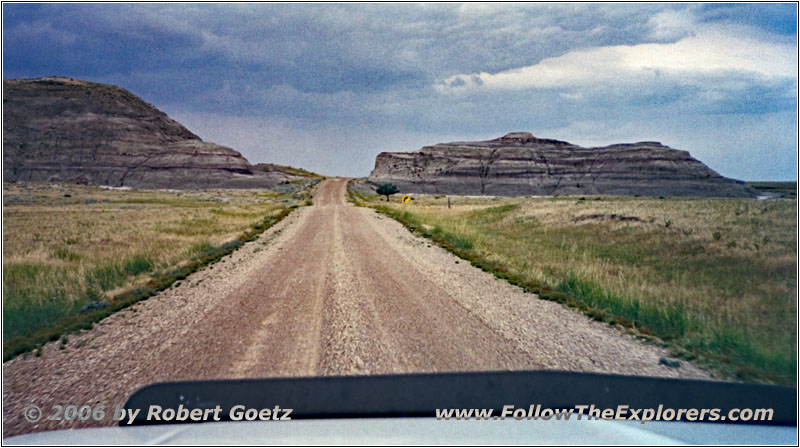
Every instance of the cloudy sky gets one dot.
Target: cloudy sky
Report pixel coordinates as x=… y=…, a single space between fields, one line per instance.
x=327 y=87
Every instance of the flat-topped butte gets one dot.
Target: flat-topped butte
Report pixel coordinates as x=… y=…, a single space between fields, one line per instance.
x=520 y=164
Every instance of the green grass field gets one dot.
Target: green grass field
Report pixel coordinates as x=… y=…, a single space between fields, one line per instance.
x=67 y=246
x=714 y=279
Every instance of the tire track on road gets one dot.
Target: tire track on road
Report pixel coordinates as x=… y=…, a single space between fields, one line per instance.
x=331 y=290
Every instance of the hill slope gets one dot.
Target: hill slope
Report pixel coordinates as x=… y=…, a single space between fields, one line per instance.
x=66 y=130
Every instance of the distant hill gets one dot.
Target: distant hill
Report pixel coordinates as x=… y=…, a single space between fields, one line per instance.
x=521 y=164
x=773 y=189
x=67 y=130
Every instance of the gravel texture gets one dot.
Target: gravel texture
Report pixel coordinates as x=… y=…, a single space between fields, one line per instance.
x=331 y=290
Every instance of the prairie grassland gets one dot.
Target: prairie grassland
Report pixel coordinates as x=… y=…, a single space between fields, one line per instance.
x=715 y=279
x=66 y=246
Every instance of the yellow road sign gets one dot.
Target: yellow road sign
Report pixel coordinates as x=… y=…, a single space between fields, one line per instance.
x=405 y=199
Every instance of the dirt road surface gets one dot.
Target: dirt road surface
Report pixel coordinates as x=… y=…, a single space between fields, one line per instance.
x=331 y=290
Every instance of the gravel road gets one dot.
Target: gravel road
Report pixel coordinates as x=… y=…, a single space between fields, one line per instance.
x=331 y=290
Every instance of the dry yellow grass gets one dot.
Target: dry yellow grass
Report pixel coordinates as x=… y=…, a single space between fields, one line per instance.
x=713 y=277
x=64 y=246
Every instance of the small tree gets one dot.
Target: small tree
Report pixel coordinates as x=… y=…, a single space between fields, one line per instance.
x=387 y=190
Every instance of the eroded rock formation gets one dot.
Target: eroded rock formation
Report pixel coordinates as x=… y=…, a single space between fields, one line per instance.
x=66 y=130
x=521 y=164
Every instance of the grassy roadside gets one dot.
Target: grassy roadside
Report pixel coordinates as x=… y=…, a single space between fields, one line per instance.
x=295 y=171
x=712 y=279
x=66 y=247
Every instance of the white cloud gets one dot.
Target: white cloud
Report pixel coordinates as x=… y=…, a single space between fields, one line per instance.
x=709 y=53
x=672 y=24
x=329 y=86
